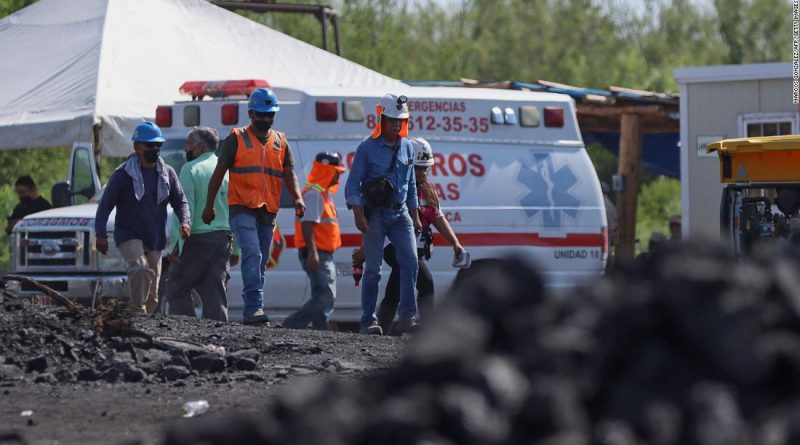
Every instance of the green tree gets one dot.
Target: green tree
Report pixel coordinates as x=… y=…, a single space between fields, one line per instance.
x=657 y=201
x=9 y=6
x=755 y=31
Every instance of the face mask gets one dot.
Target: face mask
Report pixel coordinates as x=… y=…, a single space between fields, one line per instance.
x=151 y=155
x=262 y=126
x=190 y=156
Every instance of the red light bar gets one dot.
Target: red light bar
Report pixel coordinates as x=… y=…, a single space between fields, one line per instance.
x=164 y=116
x=230 y=114
x=222 y=88
x=327 y=111
x=553 y=117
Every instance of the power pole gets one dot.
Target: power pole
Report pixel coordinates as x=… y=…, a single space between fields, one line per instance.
x=630 y=156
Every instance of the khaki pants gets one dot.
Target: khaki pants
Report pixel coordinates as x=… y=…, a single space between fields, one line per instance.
x=144 y=270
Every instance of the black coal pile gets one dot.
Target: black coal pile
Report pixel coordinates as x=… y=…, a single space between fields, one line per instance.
x=57 y=345
x=690 y=347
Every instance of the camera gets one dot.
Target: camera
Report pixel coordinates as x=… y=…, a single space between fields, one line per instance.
x=425 y=243
x=463 y=261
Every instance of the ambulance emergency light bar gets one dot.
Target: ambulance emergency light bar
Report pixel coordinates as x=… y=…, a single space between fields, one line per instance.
x=328 y=110
x=221 y=88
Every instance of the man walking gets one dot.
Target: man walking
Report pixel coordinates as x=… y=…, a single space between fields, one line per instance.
x=259 y=160
x=381 y=190
x=201 y=263
x=317 y=237
x=140 y=189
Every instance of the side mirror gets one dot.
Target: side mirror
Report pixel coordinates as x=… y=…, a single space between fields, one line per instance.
x=88 y=192
x=60 y=194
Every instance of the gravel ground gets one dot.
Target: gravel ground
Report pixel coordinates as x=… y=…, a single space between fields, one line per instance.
x=691 y=346
x=85 y=388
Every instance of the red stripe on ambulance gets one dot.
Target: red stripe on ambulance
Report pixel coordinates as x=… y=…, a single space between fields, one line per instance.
x=494 y=239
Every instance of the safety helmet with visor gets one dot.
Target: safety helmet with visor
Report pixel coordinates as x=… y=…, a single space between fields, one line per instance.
x=394 y=106
x=329 y=158
x=423 y=153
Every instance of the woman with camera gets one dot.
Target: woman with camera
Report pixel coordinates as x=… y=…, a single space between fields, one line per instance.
x=430 y=214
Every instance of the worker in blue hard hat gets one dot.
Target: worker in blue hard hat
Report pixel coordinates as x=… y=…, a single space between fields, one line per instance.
x=259 y=160
x=140 y=189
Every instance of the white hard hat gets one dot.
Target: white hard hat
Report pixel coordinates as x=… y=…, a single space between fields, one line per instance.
x=394 y=106
x=423 y=153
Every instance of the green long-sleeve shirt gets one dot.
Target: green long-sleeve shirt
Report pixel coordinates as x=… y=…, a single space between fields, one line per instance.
x=194 y=178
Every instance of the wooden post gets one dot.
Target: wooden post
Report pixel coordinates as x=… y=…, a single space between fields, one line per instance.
x=630 y=155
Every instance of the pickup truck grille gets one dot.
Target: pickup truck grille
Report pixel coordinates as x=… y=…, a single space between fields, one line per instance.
x=54 y=249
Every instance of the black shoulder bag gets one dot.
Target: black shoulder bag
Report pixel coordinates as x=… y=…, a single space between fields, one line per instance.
x=378 y=192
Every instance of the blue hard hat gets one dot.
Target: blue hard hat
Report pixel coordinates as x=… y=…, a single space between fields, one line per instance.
x=263 y=100
x=147 y=132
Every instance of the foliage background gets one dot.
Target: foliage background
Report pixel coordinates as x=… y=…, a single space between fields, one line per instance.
x=588 y=43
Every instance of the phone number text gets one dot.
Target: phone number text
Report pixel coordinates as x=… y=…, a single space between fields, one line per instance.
x=455 y=124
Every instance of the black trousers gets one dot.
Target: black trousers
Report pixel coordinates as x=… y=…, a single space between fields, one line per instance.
x=203 y=267
x=391 y=299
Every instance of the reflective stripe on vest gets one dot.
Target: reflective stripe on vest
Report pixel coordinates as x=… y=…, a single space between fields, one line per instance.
x=326 y=233
x=257 y=169
x=257 y=173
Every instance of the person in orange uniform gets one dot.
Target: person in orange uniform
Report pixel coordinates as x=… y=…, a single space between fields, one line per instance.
x=259 y=160
x=317 y=238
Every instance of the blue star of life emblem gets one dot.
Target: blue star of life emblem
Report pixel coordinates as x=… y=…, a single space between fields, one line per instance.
x=548 y=191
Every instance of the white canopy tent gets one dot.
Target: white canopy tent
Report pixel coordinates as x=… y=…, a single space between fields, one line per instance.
x=69 y=65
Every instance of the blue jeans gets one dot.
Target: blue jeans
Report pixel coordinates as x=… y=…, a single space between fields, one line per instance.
x=255 y=240
x=318 y=309
x=397 y=225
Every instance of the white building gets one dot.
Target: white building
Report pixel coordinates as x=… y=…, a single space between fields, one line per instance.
x=720 y=102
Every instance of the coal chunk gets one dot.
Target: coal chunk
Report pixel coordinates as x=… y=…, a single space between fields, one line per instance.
x=208 y=363
x=173 y=372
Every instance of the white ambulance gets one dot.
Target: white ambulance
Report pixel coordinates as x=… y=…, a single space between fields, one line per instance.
x=511 y=173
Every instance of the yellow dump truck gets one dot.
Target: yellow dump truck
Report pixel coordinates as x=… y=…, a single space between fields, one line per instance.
x=761 y=198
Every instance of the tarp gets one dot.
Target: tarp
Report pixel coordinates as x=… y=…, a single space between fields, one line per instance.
x=69 y=64
x=660 y=151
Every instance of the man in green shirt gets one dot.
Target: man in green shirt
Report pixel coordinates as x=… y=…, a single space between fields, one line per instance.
x=201 y=263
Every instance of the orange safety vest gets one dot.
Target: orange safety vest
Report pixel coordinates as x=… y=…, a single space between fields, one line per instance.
x=257 y=173
x=326 y=233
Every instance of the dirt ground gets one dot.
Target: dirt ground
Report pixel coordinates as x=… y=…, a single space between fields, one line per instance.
x=85 y=401
x=691 y=346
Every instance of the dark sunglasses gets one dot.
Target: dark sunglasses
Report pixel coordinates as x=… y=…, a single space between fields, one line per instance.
x=263 y=114
x=151 y=144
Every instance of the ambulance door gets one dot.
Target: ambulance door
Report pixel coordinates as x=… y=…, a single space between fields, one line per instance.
x=539 y=202
x=348 y=296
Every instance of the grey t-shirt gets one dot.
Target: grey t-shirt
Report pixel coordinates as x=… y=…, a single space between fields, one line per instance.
x=313 y=200
x=227 y=156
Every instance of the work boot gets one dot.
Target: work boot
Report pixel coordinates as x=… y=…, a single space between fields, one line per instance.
x=151 y=305
x=257 y=317
x=405 y=326
x=372 y=329
x=386 y=317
